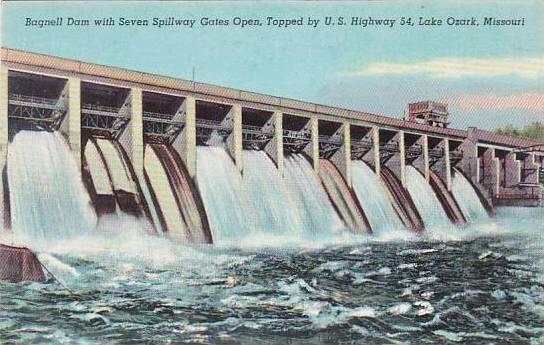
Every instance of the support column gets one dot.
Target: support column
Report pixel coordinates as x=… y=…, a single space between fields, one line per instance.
x=530 y=168
x=342 y=157
x=312 y=149
x=470 y=164
x=425 y=148
x=74 y=117
x=447 y=162
x=402 y=159
x=491 y=170
x=372 y=156
x=3 y=137
x=234 y=141
x=512 y=173
x=422 y=161
x=274 y=148
x=185 y=143
x=347 y=152
x=376 y=148
x=136 y=123
x=397 y=163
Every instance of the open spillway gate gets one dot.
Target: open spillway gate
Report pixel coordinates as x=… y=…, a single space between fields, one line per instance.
x=122 y=111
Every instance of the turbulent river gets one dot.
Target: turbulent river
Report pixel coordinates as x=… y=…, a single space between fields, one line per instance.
x=481 y=284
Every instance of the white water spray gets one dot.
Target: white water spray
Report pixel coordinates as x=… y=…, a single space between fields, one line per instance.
x=426 y=201
x=467 y=198
x=261 y=205
x=48 y=199
x=374 y=198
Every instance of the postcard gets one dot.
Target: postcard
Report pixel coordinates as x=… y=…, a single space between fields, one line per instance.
x=265 y=172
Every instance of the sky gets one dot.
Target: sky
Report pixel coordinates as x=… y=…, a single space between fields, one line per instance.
x=490 y=76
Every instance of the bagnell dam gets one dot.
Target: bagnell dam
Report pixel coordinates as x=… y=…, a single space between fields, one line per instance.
x=207 y=164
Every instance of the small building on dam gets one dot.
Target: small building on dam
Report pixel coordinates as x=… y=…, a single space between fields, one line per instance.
x=139 y=142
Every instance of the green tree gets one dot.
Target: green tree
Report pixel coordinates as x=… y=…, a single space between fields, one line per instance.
x=534 y=131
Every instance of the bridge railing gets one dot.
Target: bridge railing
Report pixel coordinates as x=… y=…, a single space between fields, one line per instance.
x=32 y=101
x=100 y=110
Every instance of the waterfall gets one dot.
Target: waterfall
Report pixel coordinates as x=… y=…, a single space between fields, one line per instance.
x=48 y=199
x=467 y=198
x=308 y=195
x=426 y=201
x=374 y=199
x=262 y=204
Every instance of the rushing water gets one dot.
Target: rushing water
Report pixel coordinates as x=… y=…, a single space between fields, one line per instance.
x=486 y=287
x=48 y=199
x=260 y=205
x=426 y=201
x=467 y=198
x=375 y=199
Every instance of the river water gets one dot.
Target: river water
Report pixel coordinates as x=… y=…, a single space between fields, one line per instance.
x=485 y=286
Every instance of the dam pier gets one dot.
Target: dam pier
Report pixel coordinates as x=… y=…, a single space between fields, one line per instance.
x=137 y=140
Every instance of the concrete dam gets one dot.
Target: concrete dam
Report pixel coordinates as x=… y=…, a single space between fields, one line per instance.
x=80 y=142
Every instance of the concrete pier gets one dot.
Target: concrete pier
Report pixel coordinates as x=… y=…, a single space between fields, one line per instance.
x=3 y=140
x=185 y=142
x=342 y=157
x=511 y=167
x=312 y=149
x=137 y=135
x=490 y=170
x=442 y=164
x=74 y=117
x=397 y=163
x=274 y=147
x=234 y=140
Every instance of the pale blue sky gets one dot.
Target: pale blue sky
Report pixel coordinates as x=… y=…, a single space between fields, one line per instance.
x=493 y=75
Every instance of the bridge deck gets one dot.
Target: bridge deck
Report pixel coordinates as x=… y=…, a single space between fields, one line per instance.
x=44 y=63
